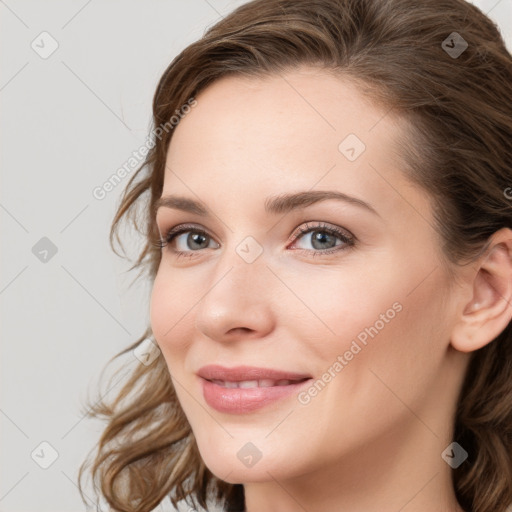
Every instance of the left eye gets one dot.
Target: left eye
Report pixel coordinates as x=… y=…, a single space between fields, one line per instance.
x=324 y=235
x=324 y=238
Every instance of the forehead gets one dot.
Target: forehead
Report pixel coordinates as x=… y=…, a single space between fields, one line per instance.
x=249 y=138
x=282 y=111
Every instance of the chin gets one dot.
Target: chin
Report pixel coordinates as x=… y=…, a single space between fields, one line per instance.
x=239 y=461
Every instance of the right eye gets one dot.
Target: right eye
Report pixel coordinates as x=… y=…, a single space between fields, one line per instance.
x=195 y=236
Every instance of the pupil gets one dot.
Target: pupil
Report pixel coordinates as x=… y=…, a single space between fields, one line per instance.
x=321 y=237
x=195 y=236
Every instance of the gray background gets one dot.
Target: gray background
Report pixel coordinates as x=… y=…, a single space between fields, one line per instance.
x=69 y=121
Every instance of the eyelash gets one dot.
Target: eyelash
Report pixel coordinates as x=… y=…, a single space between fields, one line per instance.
x=349 y=240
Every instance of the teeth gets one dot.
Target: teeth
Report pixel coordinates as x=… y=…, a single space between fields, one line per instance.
x=263 y=383
x=248 y=384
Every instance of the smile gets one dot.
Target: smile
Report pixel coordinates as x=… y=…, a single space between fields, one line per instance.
x=247 y=384
x=242 y=397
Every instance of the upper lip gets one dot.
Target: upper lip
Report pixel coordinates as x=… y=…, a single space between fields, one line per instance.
x=241 y=373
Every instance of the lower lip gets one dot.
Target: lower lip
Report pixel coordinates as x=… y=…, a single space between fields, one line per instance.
x=243 y=400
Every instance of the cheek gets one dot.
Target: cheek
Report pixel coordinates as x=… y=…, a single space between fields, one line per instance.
x=170 y=314
x=373 y=359
x=341 y=306
x=390 y=319
x=405 y=340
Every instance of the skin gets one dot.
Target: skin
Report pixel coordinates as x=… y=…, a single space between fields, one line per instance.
x=372 y=439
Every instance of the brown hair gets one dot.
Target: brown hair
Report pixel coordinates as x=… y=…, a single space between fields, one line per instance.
x=458 y=110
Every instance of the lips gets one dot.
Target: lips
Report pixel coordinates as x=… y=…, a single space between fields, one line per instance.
x=244 y=389
x=262 y=383
x=248 y=373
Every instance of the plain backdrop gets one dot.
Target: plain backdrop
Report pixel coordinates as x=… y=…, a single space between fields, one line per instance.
x=76 y=84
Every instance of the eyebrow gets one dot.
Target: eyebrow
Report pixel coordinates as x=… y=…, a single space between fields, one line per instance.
x=279 y=204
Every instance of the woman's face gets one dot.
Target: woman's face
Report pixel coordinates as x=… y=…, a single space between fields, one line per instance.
x=360 y=303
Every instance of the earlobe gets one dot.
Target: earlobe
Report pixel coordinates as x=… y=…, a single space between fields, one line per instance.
x=489 y=310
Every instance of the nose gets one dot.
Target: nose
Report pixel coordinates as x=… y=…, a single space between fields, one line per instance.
x=237 y=302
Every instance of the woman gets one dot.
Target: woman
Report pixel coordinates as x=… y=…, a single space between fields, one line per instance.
x=328 y=237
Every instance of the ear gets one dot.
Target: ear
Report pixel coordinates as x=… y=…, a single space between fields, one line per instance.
x=489 y=311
